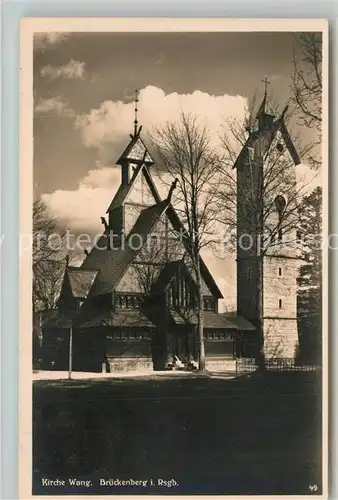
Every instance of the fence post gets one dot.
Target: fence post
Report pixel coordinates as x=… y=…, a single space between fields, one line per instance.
x=70 y=359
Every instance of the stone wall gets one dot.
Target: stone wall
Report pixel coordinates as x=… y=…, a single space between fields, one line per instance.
x=280 y=338
x=280 y=287
x=130 y=364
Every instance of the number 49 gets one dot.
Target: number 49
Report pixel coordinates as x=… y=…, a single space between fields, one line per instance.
x=313 y=487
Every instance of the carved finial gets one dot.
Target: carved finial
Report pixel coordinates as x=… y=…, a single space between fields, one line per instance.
x=104 y=222
x=135 y=121
x=171 y=190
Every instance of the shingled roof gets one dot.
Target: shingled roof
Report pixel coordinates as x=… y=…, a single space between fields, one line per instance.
x=112 y=264
x=179 y=227
x=165 y=276
x=239 y=322
x=119 y=318
x=212 y=320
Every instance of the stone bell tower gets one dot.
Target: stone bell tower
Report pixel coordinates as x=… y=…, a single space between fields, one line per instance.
x=267 y=263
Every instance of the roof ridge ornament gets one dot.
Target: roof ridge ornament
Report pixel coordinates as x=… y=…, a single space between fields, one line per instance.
x=266 y=83
x=136 y=133
x=171 y=190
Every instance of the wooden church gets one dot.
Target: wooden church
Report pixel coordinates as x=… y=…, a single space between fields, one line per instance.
x=131 y=304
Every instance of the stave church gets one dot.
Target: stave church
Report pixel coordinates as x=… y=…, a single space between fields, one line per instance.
x=131 y=304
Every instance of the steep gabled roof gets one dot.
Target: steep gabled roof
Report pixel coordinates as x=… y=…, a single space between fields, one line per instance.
x=168 y=273
x=179 y=227
x=125 y=189
x=268 y=133
x=119 y=318
x=112 y=264
x=136 y=151
x=239 y=322
x=212 y=320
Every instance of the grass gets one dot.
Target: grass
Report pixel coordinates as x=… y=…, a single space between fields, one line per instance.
x=250 y=435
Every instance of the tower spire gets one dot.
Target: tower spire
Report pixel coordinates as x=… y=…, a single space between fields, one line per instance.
x=135 y=120
x=263 y=116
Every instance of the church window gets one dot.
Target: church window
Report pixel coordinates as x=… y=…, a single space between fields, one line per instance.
x=280 y=271
x=209 y=304
x=170 y=297
x=129 y=301
x=280 y=303
x=280 y=147
x=249 y=273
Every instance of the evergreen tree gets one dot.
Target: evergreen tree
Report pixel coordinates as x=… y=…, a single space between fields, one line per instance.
x=310 y=277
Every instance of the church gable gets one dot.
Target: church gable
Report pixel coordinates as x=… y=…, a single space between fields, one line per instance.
x=136 y=151
x=163 y=244
x=66 y=294
x=140 y=192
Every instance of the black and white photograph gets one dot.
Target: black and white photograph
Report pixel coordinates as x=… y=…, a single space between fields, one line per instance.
x=175 y=332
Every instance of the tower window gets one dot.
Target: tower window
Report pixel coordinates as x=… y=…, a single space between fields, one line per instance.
x=249 y=273
x=280 y=303
x=280 y=271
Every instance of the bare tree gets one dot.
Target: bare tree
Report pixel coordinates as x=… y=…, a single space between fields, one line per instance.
x=185 y=154
x=259 y=196
x=48 y=256
x=307 y=83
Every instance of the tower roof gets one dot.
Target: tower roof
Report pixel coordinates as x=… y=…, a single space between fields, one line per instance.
x=263 y=116
x=136 y=152
x=269 y=133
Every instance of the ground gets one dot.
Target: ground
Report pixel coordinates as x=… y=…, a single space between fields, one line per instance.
x=257 y=434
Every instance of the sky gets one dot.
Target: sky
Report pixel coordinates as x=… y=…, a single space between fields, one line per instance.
x=83 y=106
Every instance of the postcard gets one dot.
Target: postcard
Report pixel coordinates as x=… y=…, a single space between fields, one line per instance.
x=173 y=257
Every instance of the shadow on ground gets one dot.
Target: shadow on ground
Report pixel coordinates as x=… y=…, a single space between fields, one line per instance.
x=250 y=435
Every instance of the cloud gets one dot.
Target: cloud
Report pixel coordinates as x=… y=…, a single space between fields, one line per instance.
x=72 y=70
x=80 y=209
x=55 y=105
x=107 y=127
x=48 y=40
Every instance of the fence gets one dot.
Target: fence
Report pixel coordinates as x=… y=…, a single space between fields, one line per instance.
x=248 y=365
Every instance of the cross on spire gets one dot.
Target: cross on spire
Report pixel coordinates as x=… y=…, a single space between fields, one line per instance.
x=266 y=83
x=135 y=121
